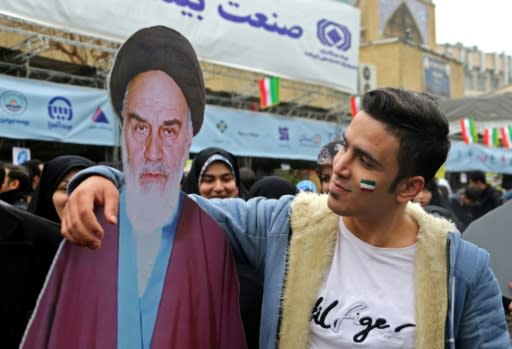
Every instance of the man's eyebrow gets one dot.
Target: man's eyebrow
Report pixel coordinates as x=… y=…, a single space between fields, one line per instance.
x=166 y=122
x=173 y=122
x=136 y=117
x=363 y=153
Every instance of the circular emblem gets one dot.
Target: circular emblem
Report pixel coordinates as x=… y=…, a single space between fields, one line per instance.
x=13 y=102
x=60 y=108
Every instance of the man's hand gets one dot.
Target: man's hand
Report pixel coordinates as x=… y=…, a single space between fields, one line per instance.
x=79 y=223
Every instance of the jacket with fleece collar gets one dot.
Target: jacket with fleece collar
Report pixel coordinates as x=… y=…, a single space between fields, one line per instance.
x=458 y=301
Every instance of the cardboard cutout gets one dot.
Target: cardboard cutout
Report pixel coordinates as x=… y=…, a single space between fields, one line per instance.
x=164 y=277
x=492 y=232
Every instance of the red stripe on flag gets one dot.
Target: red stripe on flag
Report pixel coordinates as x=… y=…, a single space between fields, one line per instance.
x=263 y=94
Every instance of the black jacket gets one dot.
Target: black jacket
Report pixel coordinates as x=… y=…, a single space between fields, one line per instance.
x=28 y=244
x=490 y=198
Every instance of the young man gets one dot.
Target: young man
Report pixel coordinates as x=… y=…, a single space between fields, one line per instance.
x=165 y=277
x=489 y=197
x=16 y=186
x=363 y=265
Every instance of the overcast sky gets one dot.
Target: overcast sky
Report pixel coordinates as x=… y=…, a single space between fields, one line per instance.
x=486 y=24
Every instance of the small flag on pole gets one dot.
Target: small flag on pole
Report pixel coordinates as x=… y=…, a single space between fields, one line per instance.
x=269 y=92
x=355 y=103
x=506 y=137
x=491 y=136
x=468 y=131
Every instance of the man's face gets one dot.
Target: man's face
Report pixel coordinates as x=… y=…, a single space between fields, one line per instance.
x=364 y=169
x=5 y=186
x=156 y=130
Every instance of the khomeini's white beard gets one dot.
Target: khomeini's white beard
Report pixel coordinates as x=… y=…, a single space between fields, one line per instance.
x=149 y=207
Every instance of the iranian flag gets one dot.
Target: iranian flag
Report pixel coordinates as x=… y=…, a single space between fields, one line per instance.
x=355 y=104
x=491 y=136
x=468 y=131
x=269 y=92
x=506 y=137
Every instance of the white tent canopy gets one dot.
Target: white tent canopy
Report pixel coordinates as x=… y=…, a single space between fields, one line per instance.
x=486 y=111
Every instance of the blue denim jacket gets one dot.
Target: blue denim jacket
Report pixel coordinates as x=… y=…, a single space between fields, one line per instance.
x=259 y=232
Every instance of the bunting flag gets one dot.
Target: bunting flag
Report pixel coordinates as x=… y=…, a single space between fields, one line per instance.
x=491 y=137
x=468 y=131
x=355 y=103
x=269 y=92
x=506 y=137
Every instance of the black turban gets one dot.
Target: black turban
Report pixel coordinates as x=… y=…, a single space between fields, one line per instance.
x=160 y=48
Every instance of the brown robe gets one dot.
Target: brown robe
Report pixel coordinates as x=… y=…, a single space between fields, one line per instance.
x=199 y=306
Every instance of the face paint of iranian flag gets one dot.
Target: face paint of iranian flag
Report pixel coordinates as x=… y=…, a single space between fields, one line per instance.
x=367 y=185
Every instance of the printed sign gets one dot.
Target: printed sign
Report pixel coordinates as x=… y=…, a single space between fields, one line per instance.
x=272 y=37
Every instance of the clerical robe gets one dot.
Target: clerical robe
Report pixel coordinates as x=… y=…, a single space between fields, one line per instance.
x=198 y=307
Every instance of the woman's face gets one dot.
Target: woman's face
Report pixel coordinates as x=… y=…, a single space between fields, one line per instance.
x=218 y=182
x=424 y=197
x=60 y=195
x=325 y=173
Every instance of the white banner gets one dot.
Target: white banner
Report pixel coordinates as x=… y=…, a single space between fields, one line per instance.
x=305 y=40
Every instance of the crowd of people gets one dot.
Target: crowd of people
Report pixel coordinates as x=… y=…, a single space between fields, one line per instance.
x=216 y=258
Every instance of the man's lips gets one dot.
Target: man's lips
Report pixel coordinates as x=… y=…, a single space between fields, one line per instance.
x=150 y=175
x=337 y=187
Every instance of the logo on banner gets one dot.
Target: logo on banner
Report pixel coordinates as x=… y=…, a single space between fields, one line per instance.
x=100 y=121
x=99 y=117
x=336 y=40
x=13 y=102
x=283 y=134
x=310 y=141
x=222 y=126
x=333 y=34
x=61 y=112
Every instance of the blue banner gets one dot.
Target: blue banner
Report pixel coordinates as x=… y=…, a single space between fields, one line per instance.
x=34 y=109
x=471 y=157
x=246 y=133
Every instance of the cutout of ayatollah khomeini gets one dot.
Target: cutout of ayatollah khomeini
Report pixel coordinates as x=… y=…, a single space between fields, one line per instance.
x=164 y=276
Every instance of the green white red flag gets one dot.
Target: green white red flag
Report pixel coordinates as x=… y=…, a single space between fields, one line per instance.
x=269 y=92
x=491 y=137
x=367 y=185
x=468 y=131
x=355 y=104
x=506 y=137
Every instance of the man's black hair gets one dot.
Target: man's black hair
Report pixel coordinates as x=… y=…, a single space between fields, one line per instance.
x=477 y=176
x=418 y=124
x=22 y=174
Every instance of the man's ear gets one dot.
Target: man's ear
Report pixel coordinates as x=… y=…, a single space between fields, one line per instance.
x=13 y=184
x=408 y=188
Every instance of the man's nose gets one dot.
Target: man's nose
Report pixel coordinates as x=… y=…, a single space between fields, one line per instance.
x=153 y=148
x=341 y=164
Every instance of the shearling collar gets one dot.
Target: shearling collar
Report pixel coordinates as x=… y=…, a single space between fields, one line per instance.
x=314 y=233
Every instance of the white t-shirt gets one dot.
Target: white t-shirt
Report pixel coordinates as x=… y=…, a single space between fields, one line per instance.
x=367 y=298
